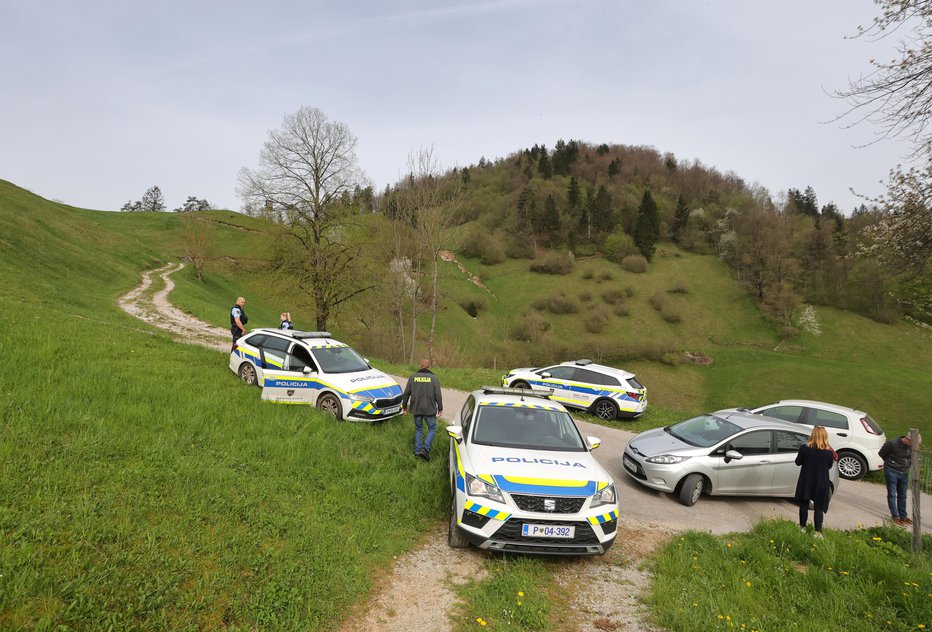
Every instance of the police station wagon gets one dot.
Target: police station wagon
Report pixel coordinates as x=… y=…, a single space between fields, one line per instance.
x=604 y=391
x=523 y=479
x=311 y=368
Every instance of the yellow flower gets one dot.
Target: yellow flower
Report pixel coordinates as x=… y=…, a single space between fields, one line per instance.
x=520 y=593
x=520 y=602
x=876 y=539
x=748 y=584
x=727 y=617
x=482 y=623
x=728 y=545
x=921 y=626
x=478 y=619
x=720 y=617
x=844 y=572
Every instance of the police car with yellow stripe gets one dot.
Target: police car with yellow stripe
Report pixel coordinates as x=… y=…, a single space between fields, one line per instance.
x=523 y=480
x=311 y=368
x=603 y=391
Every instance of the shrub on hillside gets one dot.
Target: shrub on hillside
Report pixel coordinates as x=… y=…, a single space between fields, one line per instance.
x=485 y=246
x=621 y=310
x=657 y=300
x=605 y=276
x=556 y=304
x=585 y=297
x=613 y=297
x=529 y=327
x=619 y=245
x=588 y=273
x=634 y=263
x=553 y=263
x=629 y=291
x=679 y=287
x=597 y=320
x=519 y=248
x=670 y=313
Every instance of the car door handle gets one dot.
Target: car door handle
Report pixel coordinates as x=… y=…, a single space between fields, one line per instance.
x=842 y=434
x=764 y=462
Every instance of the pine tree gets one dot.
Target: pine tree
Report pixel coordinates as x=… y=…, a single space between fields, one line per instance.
x=680 y=217
x=603 y=215
x=550 y=219
x=647 y=229
x=572 y=193
x=544 y=166
x=614 y=167
x=153 y=200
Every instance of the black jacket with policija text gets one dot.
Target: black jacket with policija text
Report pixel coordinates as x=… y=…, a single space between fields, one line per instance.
x=423 y=392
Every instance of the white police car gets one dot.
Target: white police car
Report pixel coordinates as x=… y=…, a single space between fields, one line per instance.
x=310 y=367
x=523 y=480
x=604 y=391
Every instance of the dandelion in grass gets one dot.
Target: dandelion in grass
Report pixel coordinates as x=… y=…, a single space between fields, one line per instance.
x=748 y=584
x=520 y=593
x=921 y=626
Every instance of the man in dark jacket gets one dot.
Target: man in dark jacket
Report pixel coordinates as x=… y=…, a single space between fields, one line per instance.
x=423 y=393
x=238 y=319
x=897 y=458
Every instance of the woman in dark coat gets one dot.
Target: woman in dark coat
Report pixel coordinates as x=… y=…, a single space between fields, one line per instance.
x=816 y=459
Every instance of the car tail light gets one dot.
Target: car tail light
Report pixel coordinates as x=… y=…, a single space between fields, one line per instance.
x=868 y=427
x=236 y=346
x=633 y=395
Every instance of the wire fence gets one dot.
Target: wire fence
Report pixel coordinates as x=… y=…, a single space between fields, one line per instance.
x=925 y=472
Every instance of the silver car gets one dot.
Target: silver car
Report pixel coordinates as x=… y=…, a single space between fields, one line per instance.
x=730 y=453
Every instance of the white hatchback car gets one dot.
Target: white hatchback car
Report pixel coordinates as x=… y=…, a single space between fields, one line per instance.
x=604 y=391
x=310 y=367
x=523 y=480
x=853 y=434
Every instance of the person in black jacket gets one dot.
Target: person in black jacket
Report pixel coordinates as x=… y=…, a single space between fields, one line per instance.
x=897 y=458
x=238 y=319
x=423 y=393
x=815 y=460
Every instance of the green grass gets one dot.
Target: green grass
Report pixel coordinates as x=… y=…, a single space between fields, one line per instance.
x=776 y=578
x=515 y=594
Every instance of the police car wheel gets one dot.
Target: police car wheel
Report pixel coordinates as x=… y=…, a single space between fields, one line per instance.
x=520 y=384
x=247 y=373
x=330 y=404
x=456 y=539
x=606 y=409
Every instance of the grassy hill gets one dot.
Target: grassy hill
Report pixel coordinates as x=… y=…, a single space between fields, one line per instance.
x=142 y=486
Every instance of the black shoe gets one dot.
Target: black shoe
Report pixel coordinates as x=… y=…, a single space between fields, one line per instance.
x=424 y=454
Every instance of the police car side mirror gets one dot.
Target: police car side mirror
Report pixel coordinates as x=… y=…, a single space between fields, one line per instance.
x=455 y=432
x=593 y=442
x=308 y=370
x=545 y=374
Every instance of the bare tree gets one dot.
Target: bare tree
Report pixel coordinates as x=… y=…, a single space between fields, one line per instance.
x=897 y=95
x=429 y=197
x=196 y=240
x=306 y=177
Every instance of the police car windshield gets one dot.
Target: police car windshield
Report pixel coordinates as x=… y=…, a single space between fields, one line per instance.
x=527 y=428
x=339 y=360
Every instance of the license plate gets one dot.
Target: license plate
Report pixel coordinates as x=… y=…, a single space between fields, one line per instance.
x=631 y=465
x=547 y=531
x=392 y=410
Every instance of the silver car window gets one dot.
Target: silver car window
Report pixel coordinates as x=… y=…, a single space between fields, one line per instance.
x=703 y=431
x=757 y=442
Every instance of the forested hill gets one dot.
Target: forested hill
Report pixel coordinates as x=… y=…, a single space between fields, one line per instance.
x=620 y=200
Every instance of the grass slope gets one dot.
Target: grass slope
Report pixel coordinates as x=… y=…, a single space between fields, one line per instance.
x=142 y=486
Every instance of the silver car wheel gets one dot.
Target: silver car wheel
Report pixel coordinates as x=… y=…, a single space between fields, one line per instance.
x=247 y=373
x=330 y=404
x=851 y=466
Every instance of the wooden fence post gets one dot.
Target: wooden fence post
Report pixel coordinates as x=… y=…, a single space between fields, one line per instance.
x=914 y=440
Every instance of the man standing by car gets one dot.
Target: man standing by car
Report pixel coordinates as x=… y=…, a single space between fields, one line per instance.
x=423 y=393
x=238 y=319
x=897 y=458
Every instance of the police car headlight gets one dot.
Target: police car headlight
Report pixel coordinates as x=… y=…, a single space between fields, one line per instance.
x=478 y=487
x=361 y=398
x=667 y=459
x=604 y=497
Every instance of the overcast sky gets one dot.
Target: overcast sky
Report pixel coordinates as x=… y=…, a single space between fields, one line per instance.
x=101 y=100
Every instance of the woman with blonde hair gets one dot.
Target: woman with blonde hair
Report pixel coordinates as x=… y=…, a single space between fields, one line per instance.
x=815 y=460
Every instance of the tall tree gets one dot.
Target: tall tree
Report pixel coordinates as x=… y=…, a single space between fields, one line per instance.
x=896 y=95
x=305 y=167
x=544 y=166
x=680 y=217
x=647 y=228
x=602 y=211
x=153 y=200
x=572 y=193
x=550 y=219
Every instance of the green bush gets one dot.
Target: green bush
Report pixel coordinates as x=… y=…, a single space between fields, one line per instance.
x=679 y=287
x=588 y=273
x=619 y=245
x=597 y=321
x=670 y=313
x=634 y=263
x=585 y=297
x=553 y=263
x=621 y=310
x=657 y=301
x=529 y=327
x=519 y=248
x=613 y=297
x=483 y=245
x=556 y=304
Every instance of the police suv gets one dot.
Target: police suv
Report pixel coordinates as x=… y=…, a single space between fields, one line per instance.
x=604 y=391
x=523 y=479
x=310 y=367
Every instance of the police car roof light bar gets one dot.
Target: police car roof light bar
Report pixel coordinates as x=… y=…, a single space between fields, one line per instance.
x=528 y=392
x=304 y=335
x=583 y=362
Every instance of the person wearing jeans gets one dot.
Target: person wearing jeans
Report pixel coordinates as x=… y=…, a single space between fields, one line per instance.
x=897 y=459
x=422 y=392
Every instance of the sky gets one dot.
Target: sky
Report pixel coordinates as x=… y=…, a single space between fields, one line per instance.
x=101 y=100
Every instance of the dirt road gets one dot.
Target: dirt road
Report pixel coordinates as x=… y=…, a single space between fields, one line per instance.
x=417 y=592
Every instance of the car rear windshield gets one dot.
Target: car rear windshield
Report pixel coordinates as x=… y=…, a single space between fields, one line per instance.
x=340 y=360
x=527 y=428
x=873 y=424
x=703 y=431
x=634 y=383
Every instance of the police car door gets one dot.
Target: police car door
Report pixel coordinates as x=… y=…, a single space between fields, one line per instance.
x=558 y=380
x=588 y=390
x=290 y=375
